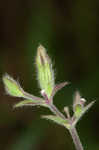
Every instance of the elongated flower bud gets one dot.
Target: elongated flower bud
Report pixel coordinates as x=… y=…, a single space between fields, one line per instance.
x=44 y=71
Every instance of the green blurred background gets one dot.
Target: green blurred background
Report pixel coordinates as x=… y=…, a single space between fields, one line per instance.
x=69 y=31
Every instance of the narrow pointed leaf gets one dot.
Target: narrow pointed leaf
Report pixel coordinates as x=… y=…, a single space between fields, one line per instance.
x=29 y=103
x=32 y=97
x=57 y=120
x=58 y=87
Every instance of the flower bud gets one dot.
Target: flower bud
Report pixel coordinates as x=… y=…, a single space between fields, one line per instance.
x=12 y=87
x=78 y=104
x=45 y=73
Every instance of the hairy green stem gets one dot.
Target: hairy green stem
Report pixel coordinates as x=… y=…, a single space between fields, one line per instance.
x=72 y=130
x=53 y=108
x=76 y=139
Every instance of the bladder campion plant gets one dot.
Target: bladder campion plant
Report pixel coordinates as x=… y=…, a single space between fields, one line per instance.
x=45 y=76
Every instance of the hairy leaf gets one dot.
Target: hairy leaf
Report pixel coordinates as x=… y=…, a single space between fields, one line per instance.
x=58 y=87
x=58 y=120
x=30 y=103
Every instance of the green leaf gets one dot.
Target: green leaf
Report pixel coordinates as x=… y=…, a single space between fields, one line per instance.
x=58 y=120
x=12 y=87
x=30 y=103
x=57 y=88
x=32 y=97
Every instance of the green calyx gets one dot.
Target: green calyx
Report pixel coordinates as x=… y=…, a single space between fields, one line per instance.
x=45 y=73
x=78 y=110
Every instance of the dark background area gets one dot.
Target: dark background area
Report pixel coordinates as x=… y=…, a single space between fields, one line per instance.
x=69 y=31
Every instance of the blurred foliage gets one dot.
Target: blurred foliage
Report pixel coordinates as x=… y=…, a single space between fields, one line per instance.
x=69 y=30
